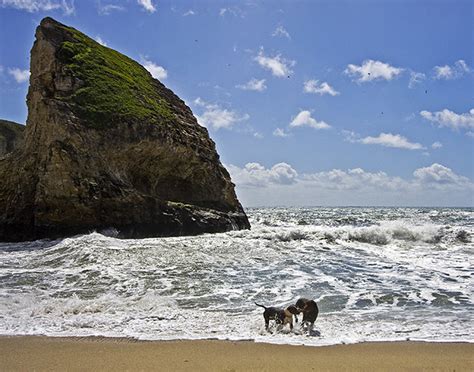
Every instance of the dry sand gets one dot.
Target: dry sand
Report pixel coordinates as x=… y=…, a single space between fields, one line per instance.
x=98 y=354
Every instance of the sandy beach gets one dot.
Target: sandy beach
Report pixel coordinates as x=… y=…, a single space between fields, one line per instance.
x=74 y=354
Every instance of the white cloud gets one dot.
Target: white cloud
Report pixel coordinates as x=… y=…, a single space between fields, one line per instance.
x=280 y=31
x=282 y=185
x=436 y=145
x=311 y=86
x=200 y=102
x=470 y=134
x=439 y=175
x=391 y=140
x=353 y=179
x=384 y=139
x=304 y=119
x=415 y=78
x=256 y=175
x=33 y=6
x=147 y=5
x=278 y=66
x=443 y=72
x=462 y=65
x=280 y=133
x=435 y=175
x=108 y=8
x=19 y=75
x=156 y=71
x=233 y=10
x=350 y=136
x=371 y=70
x=450 y=119
x=455 y=71
x=253 y=84
x=100 y=41
x=217 y=117
x=190 y=12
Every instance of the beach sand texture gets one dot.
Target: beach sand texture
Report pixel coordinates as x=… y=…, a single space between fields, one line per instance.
x=106 y=354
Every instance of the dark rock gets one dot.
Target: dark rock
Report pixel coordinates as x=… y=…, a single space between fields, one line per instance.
x=463 y=236
x=108 y=147
x=11 y=136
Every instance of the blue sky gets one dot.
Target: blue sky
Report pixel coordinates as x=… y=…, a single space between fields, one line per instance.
x=309 y=102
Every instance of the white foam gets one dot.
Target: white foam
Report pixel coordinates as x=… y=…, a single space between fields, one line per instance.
x=377 y=275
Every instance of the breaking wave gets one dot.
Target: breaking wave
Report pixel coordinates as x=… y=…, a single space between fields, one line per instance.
x=377 y=274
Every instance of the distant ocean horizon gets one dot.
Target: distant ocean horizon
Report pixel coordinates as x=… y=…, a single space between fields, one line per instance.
x=248 y=207
x=378 y=274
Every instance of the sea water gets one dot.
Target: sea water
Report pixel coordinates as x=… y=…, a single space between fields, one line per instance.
x=376 y=273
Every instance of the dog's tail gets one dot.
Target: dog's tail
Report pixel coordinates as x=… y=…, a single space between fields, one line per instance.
x=261 y=306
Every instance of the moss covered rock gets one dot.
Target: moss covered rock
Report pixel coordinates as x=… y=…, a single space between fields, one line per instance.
x=108 y=146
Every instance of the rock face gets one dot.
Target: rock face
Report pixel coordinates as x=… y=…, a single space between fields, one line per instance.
x=107 y=146
x=11 y=136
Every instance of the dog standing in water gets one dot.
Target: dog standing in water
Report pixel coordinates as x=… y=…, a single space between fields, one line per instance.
x=310 y=311
x=280 y=316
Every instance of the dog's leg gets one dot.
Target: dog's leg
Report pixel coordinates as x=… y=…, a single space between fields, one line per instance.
x=304 y=325
x=309 y=327
x=266 y=316
x=288 y=320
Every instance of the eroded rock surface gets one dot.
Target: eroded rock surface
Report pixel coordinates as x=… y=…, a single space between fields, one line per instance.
x=107 y=146
x=11 y=136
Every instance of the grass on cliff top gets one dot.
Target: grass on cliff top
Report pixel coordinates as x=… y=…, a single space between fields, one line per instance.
x=115 y=88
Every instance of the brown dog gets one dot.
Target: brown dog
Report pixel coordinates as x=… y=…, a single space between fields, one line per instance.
x=280 y=316
x=310 y=311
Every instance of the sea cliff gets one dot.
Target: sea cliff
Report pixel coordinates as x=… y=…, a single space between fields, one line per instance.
x=107 y=146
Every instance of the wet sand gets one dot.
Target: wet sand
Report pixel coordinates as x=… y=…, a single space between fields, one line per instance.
x=97 y=353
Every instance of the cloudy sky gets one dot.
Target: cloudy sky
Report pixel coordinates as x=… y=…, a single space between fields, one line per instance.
x=309 y=102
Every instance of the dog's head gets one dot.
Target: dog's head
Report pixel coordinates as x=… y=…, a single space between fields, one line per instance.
x=293 y=310
x=301 y=303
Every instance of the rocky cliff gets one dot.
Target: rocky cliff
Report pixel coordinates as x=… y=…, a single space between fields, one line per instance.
x=107 y=146
x=11 y=136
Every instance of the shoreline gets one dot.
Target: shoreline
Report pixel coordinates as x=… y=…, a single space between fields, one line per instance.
x=132 y=339
x=104 y=353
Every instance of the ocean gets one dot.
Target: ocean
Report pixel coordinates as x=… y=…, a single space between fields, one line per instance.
x=377 y=274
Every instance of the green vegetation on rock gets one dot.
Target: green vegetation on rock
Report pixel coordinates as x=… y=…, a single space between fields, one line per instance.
x=111 y=85
x=107 y=146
